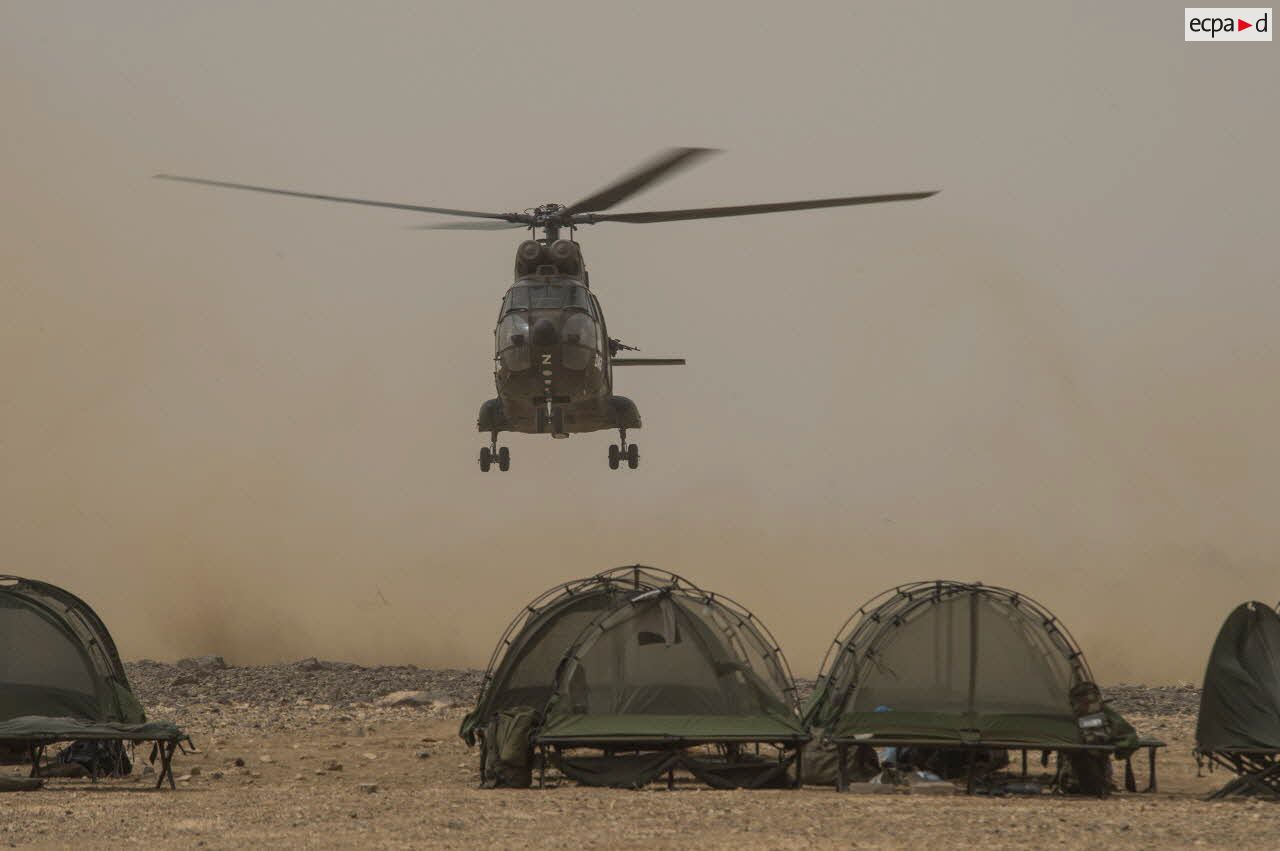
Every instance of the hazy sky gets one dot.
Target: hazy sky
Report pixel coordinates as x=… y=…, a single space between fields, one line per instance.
x=235 y=423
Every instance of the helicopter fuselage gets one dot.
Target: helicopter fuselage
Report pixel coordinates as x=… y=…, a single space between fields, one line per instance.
x=552 y=352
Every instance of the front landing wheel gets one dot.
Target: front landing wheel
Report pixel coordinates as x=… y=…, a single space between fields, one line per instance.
x=633 y=456
x=504 y=459
x=615 y=456
x=486 y=459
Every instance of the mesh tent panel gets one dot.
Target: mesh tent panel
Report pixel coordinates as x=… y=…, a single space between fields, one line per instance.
x=43 y=668
x=526 y=675
x=668 y=655
x=522 y=668
x=77 y=616
x=35 y=651
x=94 y=687
x=924 y=664
x=912 y=649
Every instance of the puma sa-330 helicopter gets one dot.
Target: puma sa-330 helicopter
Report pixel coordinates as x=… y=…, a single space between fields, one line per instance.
x=553 y=356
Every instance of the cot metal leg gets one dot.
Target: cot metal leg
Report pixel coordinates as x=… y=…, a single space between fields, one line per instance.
x=1024 y=762
x=166 y=764
x=799 y=766
x=973 y=762
x=1151 y=776
x=842 y=768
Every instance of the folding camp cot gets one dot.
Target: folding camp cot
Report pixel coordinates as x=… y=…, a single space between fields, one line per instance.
x=39 y=732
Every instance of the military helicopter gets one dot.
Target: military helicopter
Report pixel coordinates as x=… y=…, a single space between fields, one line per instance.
x=553 y=356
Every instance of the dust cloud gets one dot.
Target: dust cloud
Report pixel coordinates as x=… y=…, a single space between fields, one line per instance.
x=243 y=425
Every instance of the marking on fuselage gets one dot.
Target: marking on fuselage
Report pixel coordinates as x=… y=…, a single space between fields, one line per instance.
x=546 y=359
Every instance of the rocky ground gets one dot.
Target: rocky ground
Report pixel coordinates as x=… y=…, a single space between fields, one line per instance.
x=210 y=697
x=329 y=754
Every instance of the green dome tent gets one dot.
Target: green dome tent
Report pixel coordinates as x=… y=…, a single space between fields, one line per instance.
x=661 y=676
x=944 y=664
x=61 y=680
x=1239 y=722
x=57 y=658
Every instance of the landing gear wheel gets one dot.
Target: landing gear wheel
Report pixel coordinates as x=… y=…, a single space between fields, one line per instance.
x=615 y=455
x=633 y=456
x=540 y=419
x=486 y=459
x=504 y=459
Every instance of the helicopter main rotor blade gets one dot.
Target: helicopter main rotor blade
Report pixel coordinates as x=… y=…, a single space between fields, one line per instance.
x=487 y=225
x=664 y=165
x=508 y=217
x=745 y=209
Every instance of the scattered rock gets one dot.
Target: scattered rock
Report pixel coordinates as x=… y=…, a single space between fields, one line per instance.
x=203 y=663
x=406 y=698
x=369 y=788
x=267 y=758
x=195 y=771
x=238 y=762
x=333 y=765
x=1177 y=700
x=423 y=754
x=933 y=788
x=874 y=789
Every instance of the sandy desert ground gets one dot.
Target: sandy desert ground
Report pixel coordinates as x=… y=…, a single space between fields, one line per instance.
x=302 y=755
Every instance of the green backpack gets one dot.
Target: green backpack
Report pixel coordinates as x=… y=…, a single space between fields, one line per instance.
x=508 y=749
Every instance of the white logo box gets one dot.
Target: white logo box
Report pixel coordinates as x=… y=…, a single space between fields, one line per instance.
x=1210 y=24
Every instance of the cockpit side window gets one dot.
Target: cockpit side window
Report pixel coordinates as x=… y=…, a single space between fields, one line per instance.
x=577 y=297
x=517 y=299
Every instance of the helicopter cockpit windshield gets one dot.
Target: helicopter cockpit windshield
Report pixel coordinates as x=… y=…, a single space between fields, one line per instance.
x=546 y=297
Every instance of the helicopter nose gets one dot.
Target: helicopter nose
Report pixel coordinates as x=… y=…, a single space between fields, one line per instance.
x=544 y=333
